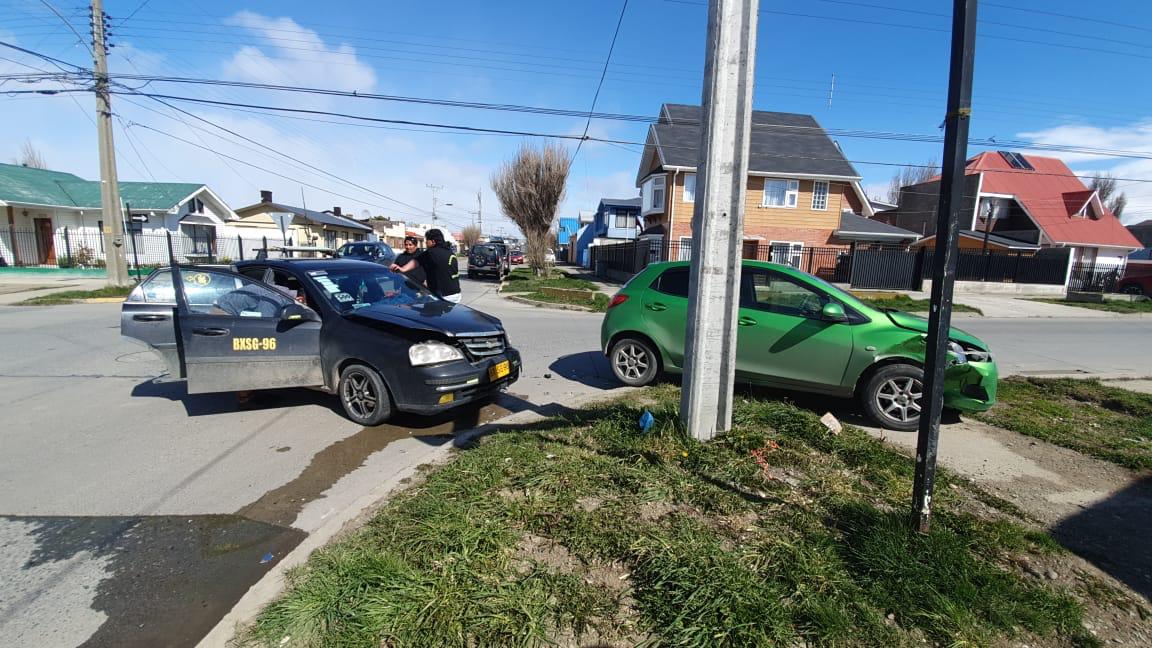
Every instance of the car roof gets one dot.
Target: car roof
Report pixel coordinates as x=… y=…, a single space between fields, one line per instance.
x=310 y=264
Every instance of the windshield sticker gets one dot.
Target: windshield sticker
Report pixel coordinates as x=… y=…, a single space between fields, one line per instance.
x=317 y=273
x=343 y=297
x=328 y=284
x=250 y=314
x=198 y=278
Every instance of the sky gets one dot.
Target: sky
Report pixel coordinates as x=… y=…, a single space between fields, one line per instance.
x=1059 y=73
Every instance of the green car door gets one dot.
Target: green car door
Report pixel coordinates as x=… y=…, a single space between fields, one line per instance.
x=785 y=338
x=665 y=310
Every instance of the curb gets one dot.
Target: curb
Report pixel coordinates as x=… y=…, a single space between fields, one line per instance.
x=271 y=585
x=554 y=306
x=100 y=300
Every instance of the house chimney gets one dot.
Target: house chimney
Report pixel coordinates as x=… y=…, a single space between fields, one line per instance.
x=265 y=196
x=336 y=211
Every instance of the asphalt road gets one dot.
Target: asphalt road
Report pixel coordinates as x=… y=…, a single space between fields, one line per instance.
x=133 y=514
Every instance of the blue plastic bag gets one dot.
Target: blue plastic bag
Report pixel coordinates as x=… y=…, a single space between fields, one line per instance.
x=646 y=421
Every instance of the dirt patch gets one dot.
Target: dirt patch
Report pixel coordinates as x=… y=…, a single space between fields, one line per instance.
x=1101 y=512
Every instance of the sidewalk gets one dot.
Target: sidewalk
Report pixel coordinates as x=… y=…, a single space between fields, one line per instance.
x=17 y=286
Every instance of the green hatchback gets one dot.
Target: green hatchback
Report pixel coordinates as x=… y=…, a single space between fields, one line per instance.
x=798 y=332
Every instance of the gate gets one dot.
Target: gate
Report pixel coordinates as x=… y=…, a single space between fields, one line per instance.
x=887 y=269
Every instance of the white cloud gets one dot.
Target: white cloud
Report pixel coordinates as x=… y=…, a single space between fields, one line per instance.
x=295 y=56
x=1135 y=174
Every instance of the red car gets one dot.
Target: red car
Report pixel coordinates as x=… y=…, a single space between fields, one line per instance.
x=1137 y=285
x=517 y=257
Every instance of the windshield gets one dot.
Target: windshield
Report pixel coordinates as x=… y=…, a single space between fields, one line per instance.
x=362 y=249
x=355 y=288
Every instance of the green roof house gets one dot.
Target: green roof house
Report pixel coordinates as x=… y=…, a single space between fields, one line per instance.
x=51 y=218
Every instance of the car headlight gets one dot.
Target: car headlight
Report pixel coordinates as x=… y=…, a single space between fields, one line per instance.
x=426 y=353
x=968 y=352
x=957 y=351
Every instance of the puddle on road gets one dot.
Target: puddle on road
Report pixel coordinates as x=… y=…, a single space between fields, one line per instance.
x=282 y=505
x=169 y=579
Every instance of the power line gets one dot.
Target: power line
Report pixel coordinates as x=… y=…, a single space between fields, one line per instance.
x=65 y=21
x=134 y=12
x=603 y=73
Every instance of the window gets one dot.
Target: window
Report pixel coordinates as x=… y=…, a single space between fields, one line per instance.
x=195 y=206
x=673 y=282
x=689 y=187
x=657 y=192
x=787 y=253
x=685 y=253
x=780 y=193
x=211 y=292
x=329 y=239
x=624 y=219
x=770 y=291
x=820 y=195
x=202 y=237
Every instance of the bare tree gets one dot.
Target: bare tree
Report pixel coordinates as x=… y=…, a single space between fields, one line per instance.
x=30 y=157
x=470 y=236
x=910 y=175
x=530 y=188
x=1106 y=186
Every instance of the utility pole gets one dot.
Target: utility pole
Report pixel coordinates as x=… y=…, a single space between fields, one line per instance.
x=959 y=113
x=718 y=218
x=434 y=189
x=109 y=185
x=479 y=212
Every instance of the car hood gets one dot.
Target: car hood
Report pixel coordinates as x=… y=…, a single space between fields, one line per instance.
x=920 y=325
x=441 y=317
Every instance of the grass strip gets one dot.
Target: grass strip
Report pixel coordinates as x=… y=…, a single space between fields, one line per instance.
x=1087 y=416
x=1114 y=306
x=586 y=530
x=907 y=304
x=71 y=296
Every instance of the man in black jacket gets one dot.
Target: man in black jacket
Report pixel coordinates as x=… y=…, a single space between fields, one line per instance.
x=439 y=264
x=411 y=249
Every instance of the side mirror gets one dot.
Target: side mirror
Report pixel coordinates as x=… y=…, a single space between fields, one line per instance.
x=833 y=312
x=298 y=313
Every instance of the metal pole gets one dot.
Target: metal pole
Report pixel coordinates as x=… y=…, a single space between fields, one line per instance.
x=240 y=246
x=718 y=218
x=68 y=247
x=109 y=185
x=944 y=261
x=132 y=237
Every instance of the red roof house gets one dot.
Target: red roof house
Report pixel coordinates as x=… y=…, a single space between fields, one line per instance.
x=1032 y=199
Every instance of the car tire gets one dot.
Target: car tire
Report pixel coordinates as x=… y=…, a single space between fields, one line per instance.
x=634 y=362
x=1132 y=289
x=471 y=275
x=892 y=397
x=364 y=395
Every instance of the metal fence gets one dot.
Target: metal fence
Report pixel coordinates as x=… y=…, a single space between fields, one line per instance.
x=1087 y=277
x=875 y=267
x=85 y=248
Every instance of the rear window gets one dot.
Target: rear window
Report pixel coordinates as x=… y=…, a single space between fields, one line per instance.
x=673 y=281
x=484 y=249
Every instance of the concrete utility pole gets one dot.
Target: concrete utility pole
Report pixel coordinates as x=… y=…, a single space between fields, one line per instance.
x=479 y=212
x=944 y=273
x=434 y=189
x=109 y=185
x=718 y=218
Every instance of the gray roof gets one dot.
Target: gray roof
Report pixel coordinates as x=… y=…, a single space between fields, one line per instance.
x=621 y=202
x=780 y=143
x=323 y=218
x=994 y=239
x=854 y=224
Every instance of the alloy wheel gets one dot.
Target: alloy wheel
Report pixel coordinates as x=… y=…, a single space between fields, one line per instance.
x=632 y=361
x=899 y=398
x=359 y=395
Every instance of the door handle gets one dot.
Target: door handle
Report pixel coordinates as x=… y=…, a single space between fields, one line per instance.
x=210 y=332
x=746 y=321
x=656 y=306
x=149 y=318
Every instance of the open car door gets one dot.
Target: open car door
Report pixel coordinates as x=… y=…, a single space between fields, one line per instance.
x=235 y=334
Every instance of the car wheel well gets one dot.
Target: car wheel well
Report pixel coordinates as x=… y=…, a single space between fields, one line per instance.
x=867 y=374
x=639 y=336
x=338 y=370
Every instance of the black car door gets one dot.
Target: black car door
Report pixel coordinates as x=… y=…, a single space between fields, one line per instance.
x=236 y=335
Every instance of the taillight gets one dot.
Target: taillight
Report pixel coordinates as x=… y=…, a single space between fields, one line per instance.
x=617 y=299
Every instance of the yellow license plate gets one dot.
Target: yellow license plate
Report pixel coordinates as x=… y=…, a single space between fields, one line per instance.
x=498 y=371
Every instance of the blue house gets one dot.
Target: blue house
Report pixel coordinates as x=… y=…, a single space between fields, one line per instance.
x=566 y=229
x=615 y=218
